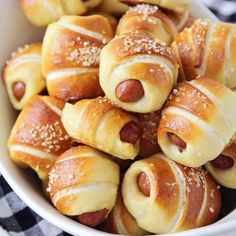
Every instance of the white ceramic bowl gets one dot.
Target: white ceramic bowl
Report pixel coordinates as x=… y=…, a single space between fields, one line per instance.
x=15 y=31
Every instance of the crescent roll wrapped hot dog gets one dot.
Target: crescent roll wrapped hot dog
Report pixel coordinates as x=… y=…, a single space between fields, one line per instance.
x=38 y=136
x=139 y=74
x=70 y=57
x=198 y=122
x=208 y=49
x=120 y=221
x=223 y=168
x=83 y=183
x=22 y=75
x=149 y=19
x=44 y=12
x=164 y=196
x=179 y=6
x=97 y=123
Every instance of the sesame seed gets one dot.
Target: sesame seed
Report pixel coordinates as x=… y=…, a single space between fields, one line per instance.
x=48 y=136
x=87 y=55
x=145 y=9
x=211 y=209
x=145 y=44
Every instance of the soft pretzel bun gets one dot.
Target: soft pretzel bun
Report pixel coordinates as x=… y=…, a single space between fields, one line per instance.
x=38 y=136
x=83 y=183
x=98 y=123
x=71 y=55
x=22 y=75
x=198 y=122
x=177 y=197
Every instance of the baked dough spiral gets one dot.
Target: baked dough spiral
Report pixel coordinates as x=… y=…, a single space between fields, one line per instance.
x=198 y=122
x=38 y=136
x=83 y=183
x=98 y=123
x=71 y=54
x=137 y=73
x=164 y=196
x=207 y=49
x=22 y=75
x=149 y=19
x=223 y=168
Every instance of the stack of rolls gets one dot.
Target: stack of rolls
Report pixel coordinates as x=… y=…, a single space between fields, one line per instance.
x=134 y=133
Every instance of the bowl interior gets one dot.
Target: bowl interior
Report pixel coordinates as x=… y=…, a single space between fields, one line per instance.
x=19 y=32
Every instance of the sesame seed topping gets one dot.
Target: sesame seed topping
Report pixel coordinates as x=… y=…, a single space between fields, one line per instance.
x=87 y=55
x=145 y=9
x=53 y=176
x=211 y=209
x=212 y=193
x=145 y=44
x=48 y=136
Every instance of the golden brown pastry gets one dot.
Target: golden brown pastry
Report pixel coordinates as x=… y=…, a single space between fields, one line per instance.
x=97 y=123
x=208 y=49
x=22 y=75
x=71 y=54
x=113 y=21
x=114 y=7
x=223 y=168
x=83 y=183
x=179 y=6
x=44 y=12
x=120 y=221
x=149 y=123
x=164 y=196
x=181 y=21
x=38 y=136
x=198 y=122
x=149 y=19
x=137 y=73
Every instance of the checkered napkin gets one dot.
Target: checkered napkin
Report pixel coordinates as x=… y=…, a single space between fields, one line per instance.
x=224 y=9
x=19 y=220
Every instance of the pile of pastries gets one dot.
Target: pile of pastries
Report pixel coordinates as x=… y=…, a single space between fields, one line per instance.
x=127 y=112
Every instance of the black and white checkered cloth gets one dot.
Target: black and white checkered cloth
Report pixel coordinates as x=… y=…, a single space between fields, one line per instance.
x=18 y=219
